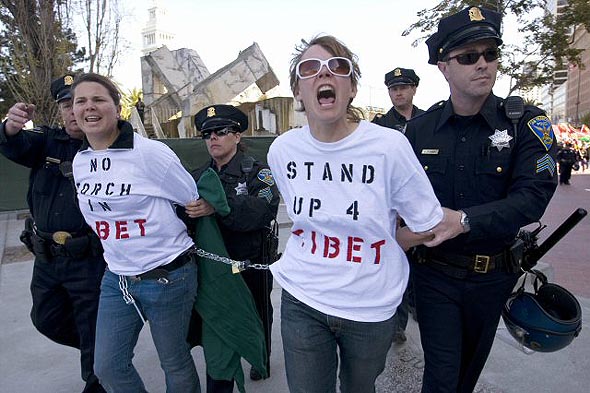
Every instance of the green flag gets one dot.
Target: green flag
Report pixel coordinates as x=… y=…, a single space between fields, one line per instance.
x=231 y=327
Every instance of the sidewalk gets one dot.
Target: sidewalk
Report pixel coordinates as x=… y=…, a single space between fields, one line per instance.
x=31 y=363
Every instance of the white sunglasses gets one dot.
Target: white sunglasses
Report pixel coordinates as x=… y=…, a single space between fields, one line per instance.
x=308 y=68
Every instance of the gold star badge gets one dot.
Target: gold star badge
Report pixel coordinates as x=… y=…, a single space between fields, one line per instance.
x=475 y=14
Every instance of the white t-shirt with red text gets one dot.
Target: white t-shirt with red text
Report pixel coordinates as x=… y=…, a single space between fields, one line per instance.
x=126 y=195
x=343 y=198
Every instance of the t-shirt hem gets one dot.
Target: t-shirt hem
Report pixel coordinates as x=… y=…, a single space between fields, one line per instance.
x=357 y=317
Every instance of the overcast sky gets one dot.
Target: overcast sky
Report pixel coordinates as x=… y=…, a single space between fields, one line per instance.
x=219 y=29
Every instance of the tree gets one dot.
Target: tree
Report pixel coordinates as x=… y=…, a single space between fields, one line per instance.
x=545 y=45
x=35 y=46
x=38 y=43
x=102 y=20
x=128 y=101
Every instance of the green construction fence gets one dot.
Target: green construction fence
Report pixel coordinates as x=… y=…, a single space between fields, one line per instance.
x=14 y=179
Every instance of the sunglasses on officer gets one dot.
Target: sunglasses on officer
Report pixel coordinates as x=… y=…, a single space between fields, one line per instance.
x=308 y=68
x=470 y=58
x=220 y=132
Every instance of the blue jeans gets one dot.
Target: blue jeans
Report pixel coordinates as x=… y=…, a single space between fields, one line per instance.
x=167 y=307
x=311 y=341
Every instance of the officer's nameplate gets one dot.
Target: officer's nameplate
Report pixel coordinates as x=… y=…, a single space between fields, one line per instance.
x=430 y=151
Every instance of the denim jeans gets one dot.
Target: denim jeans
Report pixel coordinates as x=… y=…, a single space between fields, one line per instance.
x=312 y=341
x=167 y=307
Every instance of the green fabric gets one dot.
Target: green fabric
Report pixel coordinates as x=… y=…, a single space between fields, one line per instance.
x=231 y=326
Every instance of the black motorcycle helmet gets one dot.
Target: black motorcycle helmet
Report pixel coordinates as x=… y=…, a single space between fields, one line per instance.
x=544 y=321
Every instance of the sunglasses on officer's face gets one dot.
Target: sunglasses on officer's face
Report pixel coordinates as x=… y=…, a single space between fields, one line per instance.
x=221 y=132
x=470 y=58
x=308 y=68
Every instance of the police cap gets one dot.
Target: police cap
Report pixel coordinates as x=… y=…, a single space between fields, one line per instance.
x=215 y=117
x=471 y=24
x=401 y=76
x=60 y=88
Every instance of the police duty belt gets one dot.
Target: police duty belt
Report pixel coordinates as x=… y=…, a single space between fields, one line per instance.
x=236 y=266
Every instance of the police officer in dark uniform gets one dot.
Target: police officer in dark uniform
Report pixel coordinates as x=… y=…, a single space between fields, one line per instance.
x=493 y=175
x=253 y=198
x=401 y=84
x=68 y=257
x=567 y=157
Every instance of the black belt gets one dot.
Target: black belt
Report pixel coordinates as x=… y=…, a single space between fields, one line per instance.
x=161 y=272
x=476 y=263
x=59 y=237
x=62 y=243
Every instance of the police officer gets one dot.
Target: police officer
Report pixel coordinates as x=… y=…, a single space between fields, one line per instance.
x=401 y=84
x=68 y=258
x=253 y=198
x=492 y=175
x=566 y=157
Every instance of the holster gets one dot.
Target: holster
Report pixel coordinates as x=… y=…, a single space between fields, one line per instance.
x=516 y=257
x=270 y=245
x=36 y=244
x=27 y=233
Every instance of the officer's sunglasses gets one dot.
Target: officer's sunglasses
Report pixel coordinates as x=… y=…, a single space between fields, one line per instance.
x=221 y=132
x=308 y=68
x=470 y=58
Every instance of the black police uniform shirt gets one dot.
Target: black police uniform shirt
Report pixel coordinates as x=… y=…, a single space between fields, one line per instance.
x=476 y=164
x=51 y=196
x=253 y=198
x=393 y=119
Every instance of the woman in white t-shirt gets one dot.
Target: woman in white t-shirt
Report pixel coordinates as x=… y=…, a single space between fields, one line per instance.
x=127 y=188
x=345 y=181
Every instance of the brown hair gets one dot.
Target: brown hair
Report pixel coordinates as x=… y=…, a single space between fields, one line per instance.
x=100 y=79
x=336 y=48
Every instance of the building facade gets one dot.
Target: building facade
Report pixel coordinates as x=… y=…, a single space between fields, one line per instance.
x=578 y=80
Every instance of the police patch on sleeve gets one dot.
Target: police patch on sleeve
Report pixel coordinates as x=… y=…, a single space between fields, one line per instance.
x=546 y=163
x=265 y=193
x=541 y=127
x=265 y=176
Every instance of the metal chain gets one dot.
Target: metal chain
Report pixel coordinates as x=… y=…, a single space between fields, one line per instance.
x=258 y=266
x=240 y=265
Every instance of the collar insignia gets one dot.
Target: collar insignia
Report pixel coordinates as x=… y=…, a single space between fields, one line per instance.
x=500 y=139
x=475 y=14
x=241 y=189
x=541 y=127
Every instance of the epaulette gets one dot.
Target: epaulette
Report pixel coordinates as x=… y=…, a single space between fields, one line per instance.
x=439 y=105
x=436 y=106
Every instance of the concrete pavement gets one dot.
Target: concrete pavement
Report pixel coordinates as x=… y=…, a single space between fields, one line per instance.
x=31 y=363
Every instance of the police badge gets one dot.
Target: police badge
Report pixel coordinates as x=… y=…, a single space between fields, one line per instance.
x=500 y=139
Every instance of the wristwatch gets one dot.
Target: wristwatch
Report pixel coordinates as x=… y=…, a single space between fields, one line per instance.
x=465 y=221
